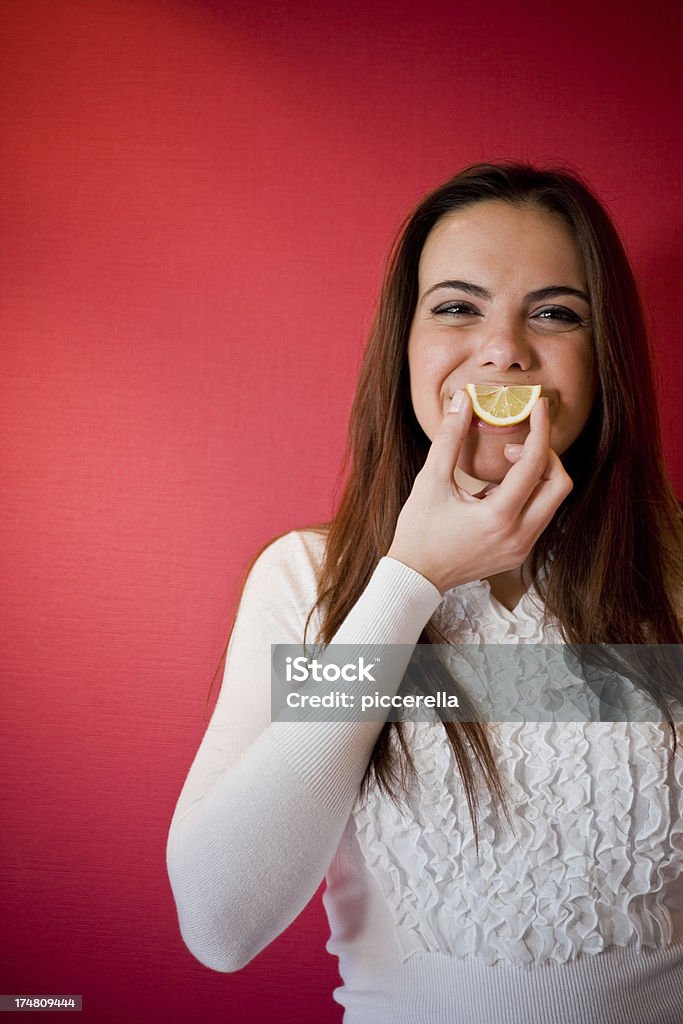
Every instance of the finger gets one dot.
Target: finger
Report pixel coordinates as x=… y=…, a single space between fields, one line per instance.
x=531 y=464
x=513 y=452
x=546 y=498
x=444 y=452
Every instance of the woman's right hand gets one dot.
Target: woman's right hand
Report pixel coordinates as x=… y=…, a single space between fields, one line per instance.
x=452 y=537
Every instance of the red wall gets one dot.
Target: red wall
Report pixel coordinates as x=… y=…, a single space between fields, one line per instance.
x=196 y=202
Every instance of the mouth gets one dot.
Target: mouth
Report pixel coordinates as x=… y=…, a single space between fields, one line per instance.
x=520 y=429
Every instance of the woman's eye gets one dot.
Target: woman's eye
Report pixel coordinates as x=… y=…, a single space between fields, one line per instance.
x=559 y=316
x=456 y=309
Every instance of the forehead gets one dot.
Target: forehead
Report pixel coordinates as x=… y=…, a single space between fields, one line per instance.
x=496 y=241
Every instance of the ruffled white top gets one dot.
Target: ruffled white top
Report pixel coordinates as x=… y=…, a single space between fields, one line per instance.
x=574 y=913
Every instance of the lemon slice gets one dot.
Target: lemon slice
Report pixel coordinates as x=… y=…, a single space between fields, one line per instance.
x=503 y=406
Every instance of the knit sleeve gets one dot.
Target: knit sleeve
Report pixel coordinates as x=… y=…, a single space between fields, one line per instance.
x=265 y=803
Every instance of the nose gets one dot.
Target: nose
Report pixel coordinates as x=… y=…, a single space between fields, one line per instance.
x=505 y=347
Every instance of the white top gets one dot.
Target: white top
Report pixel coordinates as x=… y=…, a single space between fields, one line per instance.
x=574 y=917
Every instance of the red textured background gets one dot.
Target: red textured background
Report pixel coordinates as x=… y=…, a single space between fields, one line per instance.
x=196 y=202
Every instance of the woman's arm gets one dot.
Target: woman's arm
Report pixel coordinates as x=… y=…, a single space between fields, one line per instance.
x=265 y=804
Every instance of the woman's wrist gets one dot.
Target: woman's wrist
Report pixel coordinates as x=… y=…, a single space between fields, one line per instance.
x=407 y=559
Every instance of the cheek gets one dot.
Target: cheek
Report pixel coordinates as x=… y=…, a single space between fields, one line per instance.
x=578 y=396
x=586 y=386
x=429 y=367
x=428 y=371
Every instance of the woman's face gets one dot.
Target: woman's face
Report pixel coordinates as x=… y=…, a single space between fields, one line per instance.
x=502 y=299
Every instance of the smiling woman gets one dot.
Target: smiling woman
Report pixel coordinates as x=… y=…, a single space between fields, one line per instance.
x=520 y=315
x=509 y=871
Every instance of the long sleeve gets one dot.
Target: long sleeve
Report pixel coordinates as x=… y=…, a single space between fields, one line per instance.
x=265 y=803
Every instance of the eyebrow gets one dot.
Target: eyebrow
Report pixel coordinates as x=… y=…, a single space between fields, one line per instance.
x=482 y=293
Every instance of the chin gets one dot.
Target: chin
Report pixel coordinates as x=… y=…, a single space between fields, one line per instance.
x=486 y=461
x=489 y=471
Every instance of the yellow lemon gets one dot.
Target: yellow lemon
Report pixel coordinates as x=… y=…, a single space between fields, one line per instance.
x=503 y=406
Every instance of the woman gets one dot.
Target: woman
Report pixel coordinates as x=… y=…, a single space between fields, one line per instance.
x=561 y=529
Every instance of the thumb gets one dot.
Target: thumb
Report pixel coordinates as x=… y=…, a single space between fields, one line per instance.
x=447 y=443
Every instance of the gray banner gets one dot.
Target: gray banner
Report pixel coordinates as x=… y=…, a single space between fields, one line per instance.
x=489 y=682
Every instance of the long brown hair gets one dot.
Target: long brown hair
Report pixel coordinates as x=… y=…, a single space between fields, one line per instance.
x=616 y=564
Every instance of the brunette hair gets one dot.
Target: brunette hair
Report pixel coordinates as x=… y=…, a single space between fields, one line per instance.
x=616 y=567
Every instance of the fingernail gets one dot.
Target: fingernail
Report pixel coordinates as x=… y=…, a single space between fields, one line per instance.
x=456 y=401
x=513 y=451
